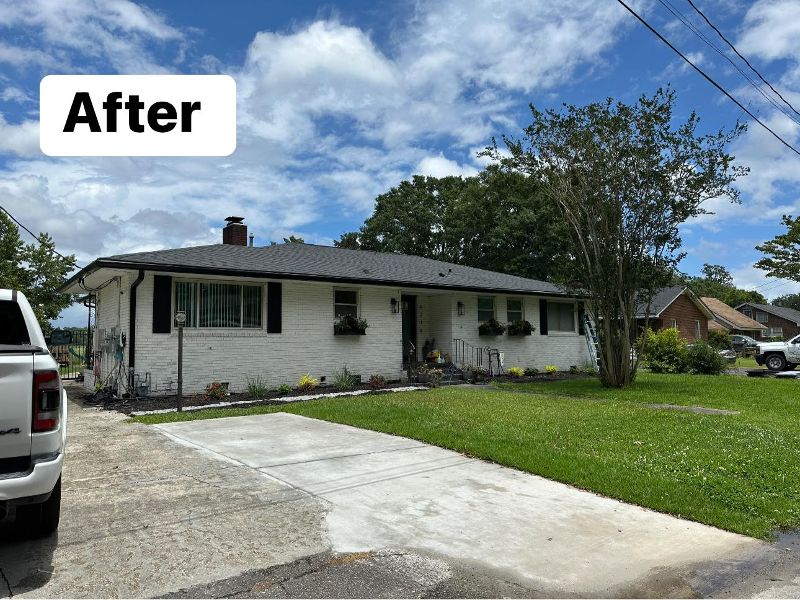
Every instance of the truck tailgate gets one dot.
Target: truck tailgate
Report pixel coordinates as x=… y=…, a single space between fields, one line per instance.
x=16 y=388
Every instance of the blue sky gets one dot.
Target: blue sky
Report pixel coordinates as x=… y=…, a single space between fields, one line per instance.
x=338 y=102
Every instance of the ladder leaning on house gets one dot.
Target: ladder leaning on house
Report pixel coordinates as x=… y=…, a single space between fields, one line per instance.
x=592 y=341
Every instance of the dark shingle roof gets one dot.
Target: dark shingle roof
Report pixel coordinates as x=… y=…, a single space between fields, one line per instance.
x=324 y=263
x=666 y=296
x=789 y=314
x=661 y=300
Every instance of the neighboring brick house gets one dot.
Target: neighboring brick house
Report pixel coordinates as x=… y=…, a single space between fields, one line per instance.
x=780 y=322
x=730 y=320
x=269 y=313
x=679 y=308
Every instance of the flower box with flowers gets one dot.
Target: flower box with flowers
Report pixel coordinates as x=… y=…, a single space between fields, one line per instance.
x=491 y=327
x=520 y=328
x=350 y=325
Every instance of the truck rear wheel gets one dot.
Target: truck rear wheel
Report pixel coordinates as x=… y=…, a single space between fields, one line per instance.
x=776 y=362
x=39 y=520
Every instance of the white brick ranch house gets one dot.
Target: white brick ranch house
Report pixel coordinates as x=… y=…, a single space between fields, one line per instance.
x=269 y=312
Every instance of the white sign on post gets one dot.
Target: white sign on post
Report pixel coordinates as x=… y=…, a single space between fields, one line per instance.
x=137 y=115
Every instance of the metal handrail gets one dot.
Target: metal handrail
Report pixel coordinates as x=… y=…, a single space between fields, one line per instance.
x=466 y=355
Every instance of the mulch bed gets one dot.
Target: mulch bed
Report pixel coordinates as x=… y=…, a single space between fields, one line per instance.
x=129 y=405
x=542 y=377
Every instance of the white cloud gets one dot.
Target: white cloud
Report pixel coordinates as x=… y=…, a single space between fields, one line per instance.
x=327 y=118
x=14 y=94
x=439 y=166
x=21 y=139
x=750 y=278
x=117 y=33
x=771 y=30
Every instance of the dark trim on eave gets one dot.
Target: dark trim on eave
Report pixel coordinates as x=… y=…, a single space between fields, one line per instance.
x=109 y=264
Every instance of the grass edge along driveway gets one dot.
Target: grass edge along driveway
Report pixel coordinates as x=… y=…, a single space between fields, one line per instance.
x=738 y=472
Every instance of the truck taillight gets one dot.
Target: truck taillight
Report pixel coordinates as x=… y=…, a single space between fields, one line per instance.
x=46 y=400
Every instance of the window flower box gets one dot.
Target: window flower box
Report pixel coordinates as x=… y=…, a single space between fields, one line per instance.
x=520 y=328
x=350 y=325
x=491 y=327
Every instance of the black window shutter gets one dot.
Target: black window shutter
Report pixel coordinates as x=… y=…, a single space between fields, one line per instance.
x=274 y=308
x=543 y=316
x=162 y=304
x=581 y=317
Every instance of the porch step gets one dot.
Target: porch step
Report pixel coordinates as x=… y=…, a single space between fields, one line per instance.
x=452 y=375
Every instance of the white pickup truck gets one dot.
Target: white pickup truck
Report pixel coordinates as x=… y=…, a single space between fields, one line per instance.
x=779 y=356
x=33 y=421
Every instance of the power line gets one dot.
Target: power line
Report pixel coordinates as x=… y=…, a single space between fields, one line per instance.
x=36 y=237
x=695 y=30
x=708 y=77
x=747 y=62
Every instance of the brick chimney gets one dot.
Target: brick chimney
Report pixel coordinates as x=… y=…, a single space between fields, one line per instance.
x=235 y=232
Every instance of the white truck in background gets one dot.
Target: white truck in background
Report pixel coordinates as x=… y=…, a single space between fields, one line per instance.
x=33 y=420
x=779 y=356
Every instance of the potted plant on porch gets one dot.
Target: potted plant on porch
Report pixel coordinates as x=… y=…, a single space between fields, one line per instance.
x=350 y=325
x=491 y=327
x=519 y=328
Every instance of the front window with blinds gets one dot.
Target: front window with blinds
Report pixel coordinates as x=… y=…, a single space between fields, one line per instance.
x=345 y=302
x=222 y=305
x=560 y=316
x=762 y=317
x=485 y=309
x=514 y=310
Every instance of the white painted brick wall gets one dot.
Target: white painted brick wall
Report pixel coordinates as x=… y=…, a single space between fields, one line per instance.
x=307 y=343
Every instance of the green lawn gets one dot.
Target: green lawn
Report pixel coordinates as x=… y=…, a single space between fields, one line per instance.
x=747 y=363
x=739 y=472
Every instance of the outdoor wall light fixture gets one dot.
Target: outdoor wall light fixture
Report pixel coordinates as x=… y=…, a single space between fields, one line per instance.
x=460 y=306
x=395 y=306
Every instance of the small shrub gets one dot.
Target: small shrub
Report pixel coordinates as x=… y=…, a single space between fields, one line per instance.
x=432 y=376
x=216 y=390
x=665 y=351
x=307 y=383
x=376 y=382
x=703 y=359
x=344 y=380
x=550 y=369
x=478 y=374
x=720 y=340
x=516 y=371
x=256 y=388
x=573 y=370
x=284 y=388
x=531 y=371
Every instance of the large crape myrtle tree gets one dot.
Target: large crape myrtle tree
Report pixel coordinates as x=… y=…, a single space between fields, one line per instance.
x=625 y=177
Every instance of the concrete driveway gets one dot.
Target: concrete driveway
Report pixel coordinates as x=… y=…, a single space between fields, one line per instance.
x=282 y=506
x=384 y=493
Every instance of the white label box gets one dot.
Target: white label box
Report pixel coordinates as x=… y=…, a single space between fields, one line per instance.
x=137 y=115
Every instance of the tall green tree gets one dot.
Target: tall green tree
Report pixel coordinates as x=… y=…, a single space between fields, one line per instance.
x=35 y=269
x=717 y=282
x=788 y=301
x=782 y=253
x=624 y=178
x=498 y=220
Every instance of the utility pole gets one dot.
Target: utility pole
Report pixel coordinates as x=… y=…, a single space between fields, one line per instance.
x=180 y=319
